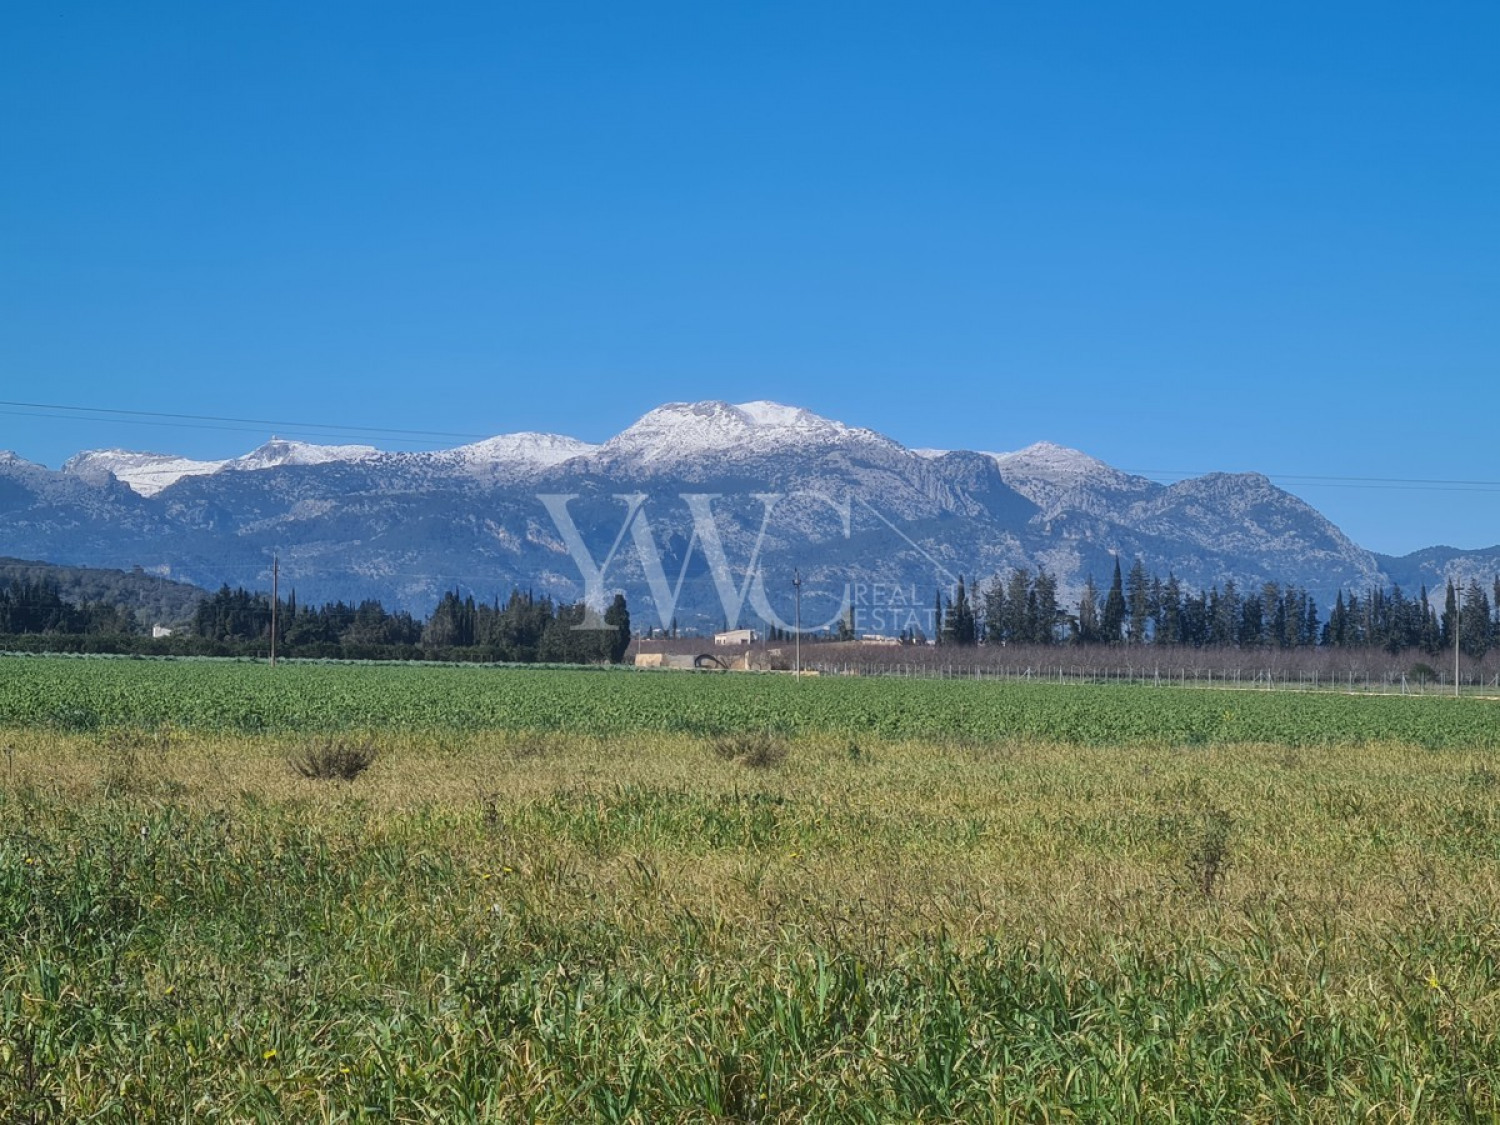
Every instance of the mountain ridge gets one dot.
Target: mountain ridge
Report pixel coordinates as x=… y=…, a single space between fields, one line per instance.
x=853 y=506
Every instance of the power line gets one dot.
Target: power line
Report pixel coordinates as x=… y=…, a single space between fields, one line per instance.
x=247 y=421
x=289 y=431
x=1309 y=478
x=219 y=422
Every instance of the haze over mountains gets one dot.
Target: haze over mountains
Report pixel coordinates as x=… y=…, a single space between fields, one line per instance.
x=699 y=511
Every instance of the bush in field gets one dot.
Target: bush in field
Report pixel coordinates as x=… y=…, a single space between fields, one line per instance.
x=330 y=758
x=758 y=751
x=1209 y=857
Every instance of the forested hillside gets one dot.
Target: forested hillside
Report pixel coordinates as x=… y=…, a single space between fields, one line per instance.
x=148 y=599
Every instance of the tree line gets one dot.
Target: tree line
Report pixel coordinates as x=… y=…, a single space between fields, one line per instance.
x=149 y=597
x=1022 y=607
x=524 y=629
x=238 y=622
x=28 y=606
x=1140 y=608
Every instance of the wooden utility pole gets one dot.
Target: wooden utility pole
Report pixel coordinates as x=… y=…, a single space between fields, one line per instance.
x=1458 y=616
x=275 y=598
x=797 y=617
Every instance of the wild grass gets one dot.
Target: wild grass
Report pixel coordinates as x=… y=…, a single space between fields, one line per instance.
x=333 y=758
x=497 y=927
x=757 y=750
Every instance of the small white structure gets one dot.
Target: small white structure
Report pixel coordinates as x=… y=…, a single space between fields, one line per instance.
x=878 y=639
x=160 y=631
x=735 y=637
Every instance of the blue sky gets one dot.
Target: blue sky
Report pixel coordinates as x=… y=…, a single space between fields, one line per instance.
x=1181 y=237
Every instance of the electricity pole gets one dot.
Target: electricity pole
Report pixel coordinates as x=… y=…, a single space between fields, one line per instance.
x=275 y=597
x=1458 y=615
x=797 y=614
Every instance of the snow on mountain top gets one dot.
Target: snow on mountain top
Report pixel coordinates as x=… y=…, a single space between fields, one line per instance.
x=149 y=473
x=1047 y=459
x=659 y=438
x=1057 y=478
x=531 y=449
x=766 y=413
x=1047 y=463
x=283 y=451
x=145 y=473
x=687 y=428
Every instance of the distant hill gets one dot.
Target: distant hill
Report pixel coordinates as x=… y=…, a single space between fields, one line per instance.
x=154 y=600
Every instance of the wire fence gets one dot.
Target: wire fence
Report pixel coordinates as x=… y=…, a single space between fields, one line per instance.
x=1349 y=681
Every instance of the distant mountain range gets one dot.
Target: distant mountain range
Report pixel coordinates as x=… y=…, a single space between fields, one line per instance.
x=699 y=511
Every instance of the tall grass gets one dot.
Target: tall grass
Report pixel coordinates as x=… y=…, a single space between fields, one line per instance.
x=632 y=928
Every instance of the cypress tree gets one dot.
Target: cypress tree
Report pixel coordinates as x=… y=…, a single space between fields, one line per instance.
x=618 y=616
x=1474 y=625
x=1044 y=618
x=1017 y=595
x=1112 y=621
x=1138 y=600
x=1088 y=614
x=994 y=613
x=1449 y=622
x=1170 y=627
x=959 y=627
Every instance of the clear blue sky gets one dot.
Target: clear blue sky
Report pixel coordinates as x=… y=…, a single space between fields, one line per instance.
x=1182 y=237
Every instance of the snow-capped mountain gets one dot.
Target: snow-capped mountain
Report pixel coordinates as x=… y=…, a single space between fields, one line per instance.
x=664 y=437
x=279 y=452
x=524 y=450
x=847 y=508
x=149 y=473
x=682 y=430
x=1058 y=480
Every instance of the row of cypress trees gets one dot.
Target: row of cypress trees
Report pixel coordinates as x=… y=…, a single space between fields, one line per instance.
x=1139 y=608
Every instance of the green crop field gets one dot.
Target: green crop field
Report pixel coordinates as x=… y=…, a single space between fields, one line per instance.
x=608 y=896
x=85 y=694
